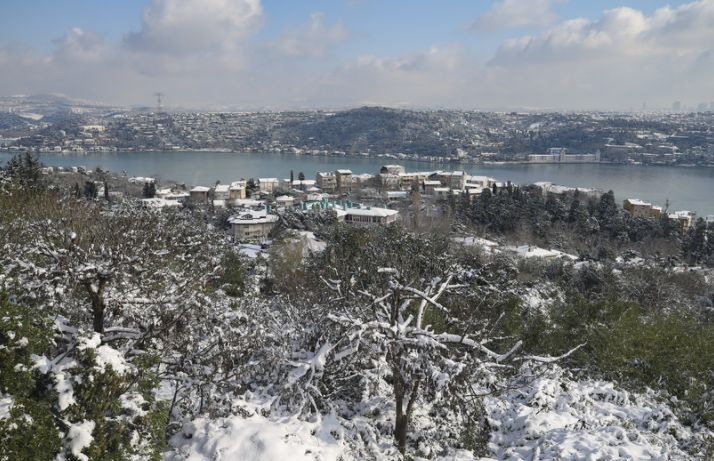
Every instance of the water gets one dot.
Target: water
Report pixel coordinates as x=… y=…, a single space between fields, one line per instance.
x=686 y=188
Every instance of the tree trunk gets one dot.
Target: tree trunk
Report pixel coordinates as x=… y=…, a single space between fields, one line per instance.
x=98 y=306
x=400 y=422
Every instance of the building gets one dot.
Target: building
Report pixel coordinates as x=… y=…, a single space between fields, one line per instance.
x=343 y=180
x=392 y=169
x=268 y=185
x=221 y=192
x=326 y=181
x=252 y=225
x=429 y=187
x=284 y=201
x=368 y=216
x=642 y=209
x=199 y=194
x=237 y=190
x=452 y=179
x=682 y=219
x=388 y=181
x=560 y=155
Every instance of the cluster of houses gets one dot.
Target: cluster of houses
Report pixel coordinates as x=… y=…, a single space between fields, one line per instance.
x=255 y=202
x=639 y=208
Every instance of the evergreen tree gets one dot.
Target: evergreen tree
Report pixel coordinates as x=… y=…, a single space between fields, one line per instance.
x=149 y=189
x=106 y=191
x=291 y=177
x=301 y=176
x=90 y=190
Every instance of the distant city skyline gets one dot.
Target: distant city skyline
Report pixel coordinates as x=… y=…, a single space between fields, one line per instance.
x=248 y=54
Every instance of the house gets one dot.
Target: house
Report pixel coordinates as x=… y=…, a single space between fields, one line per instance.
x=368 y=216
x=392 y=169
x=452 y=179
x=252 y=224
x=237 y=190
x=639 y=208
x=303 y=184
x=326 y=181
x=343 y=179
x=388 y=181
x=221 y=192
x=284 y=201
x=441 y=193
x=199 y=194
x=268 y=185
x=682 y=219
x=407 y=180
x=429 y=187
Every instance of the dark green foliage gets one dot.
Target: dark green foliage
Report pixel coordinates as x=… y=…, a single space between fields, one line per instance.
x=90 y=190
x=301 y=176
x=234 y=274
x=26 y=171
x=31 y=432
x=149 y=190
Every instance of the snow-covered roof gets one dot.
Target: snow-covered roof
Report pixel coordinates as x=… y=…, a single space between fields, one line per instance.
x=284 y=198
x=432 y=183
x=253 y=217
x=344 y=171
x=200 y=189
x=396 y=193
x=638 y=202
x=238 y=185
x=267 y=179
x=222 y=188
x=372 y=211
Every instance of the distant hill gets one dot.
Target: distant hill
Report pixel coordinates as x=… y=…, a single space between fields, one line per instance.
x=10 y=120
x=376 y=129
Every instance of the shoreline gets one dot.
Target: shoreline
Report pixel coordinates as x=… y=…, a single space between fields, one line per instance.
x=403 y=157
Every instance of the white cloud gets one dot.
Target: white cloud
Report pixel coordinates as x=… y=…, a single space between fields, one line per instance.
x=313 y=40
x=195 y=26
x=618 y=60
x=516 y=13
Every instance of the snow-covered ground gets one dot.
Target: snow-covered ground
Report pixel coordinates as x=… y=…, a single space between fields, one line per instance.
x=554 y=416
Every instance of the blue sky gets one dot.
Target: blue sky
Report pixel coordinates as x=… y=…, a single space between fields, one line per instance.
x=408 y=51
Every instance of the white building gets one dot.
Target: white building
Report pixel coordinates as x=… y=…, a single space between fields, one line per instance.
x=252 y=225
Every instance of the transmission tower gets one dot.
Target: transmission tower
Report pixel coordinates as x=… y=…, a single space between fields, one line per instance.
x=158 y=95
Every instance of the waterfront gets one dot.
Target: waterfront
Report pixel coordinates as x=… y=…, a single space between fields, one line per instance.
x=686 y=188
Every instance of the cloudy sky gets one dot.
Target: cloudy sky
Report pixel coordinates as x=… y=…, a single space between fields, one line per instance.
x=500 y=54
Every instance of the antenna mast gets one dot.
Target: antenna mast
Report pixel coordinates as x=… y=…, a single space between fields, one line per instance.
x=158 y=95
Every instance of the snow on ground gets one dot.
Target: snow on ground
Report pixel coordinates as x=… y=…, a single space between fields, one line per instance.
x=258 y=438
x=250 y=250
x=530 y=251
x=556 y=417
x=552 y=417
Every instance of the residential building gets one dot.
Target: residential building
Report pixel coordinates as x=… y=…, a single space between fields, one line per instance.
x=368 y=216
x=252 y=225
x=237 y=190
x=682 y=219
x=268 y=185
x=639 y=208
x=326 y=181
x=392 y=169
x=221 y=192
x=343 y=180
x=199 y=194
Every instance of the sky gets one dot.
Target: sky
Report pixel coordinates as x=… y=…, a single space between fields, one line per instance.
x=285 y=54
